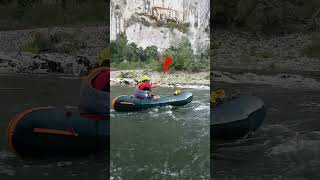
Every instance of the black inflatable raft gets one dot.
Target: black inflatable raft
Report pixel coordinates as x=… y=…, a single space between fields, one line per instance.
x=236 y=117
x=57 y=131
x=130 y=103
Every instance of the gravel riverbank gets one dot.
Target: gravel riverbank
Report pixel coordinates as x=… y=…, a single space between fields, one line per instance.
x=176 y=79
x=250 y=51
x=283 y=60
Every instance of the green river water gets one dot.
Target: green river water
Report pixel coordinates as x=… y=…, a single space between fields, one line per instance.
x=159 y=143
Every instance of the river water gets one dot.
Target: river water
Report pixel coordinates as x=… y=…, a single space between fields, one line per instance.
x=172 y=142
x=286 y=147
x=161 y=143
x=21 y=92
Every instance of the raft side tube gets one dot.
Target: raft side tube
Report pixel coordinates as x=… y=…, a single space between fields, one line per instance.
x=56 y=131
x=237 y=117
x=130 y=103
x=15 y=121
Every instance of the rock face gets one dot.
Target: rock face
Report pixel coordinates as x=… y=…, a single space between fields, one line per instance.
x=162 y=22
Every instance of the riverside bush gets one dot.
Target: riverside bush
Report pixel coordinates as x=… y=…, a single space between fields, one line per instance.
x=313 y=50
x=126 y=55
x=38 y=44
x=59 y=42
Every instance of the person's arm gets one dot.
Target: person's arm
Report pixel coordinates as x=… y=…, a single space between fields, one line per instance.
x=155 y=85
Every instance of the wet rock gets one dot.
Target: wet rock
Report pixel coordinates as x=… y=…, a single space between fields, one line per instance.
x=215 y=75
x=285 y=76
x=85 y=61
x=54 y=67
x=126 y=82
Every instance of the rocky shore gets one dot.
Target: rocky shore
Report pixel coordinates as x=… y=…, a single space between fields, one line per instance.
x=15 y=59
x=237 y=57
x=290 y=81
x=28 y=63
x=248 y=51
x=199 y=80
x=282 y=60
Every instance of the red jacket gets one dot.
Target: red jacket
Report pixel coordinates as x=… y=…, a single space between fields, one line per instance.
x=144 y=86
x=102 y=81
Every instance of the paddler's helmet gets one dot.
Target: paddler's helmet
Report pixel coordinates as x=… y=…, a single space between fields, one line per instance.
x=221 y=93
x=215 y=95
x=104 y=57
x=144 y=78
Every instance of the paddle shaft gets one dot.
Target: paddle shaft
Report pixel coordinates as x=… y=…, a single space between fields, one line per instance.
x=159 y=83
x=166 y=66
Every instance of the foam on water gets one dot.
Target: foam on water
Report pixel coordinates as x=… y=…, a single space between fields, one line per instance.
x=5 y=168
x=286 y=146
x=202 y=107
x=200 y=87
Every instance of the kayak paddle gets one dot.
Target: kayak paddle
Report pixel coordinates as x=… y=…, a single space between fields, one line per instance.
x=166 y=65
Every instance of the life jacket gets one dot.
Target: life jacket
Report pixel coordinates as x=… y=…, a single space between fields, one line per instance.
x=141 y=94
x=92 y=100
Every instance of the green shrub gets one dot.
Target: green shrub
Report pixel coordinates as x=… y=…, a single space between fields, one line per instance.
x=172 y=24
x=127 y=75
x=155 y=65
x=126 y=55
x=127 y=65
x=38 y=44
x=200 y=62
x=266 y=54
x=59 y=42
x=183 y=55
x=313 y=50
x=183 y=27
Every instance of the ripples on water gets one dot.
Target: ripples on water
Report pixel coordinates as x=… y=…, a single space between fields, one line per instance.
x=287 y=146
x=13 y=167
x=162 y=143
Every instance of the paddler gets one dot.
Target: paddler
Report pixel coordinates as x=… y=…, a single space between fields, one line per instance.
x=102 y=80
x=95 y=89
x=144 y=87
x=217 y=97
